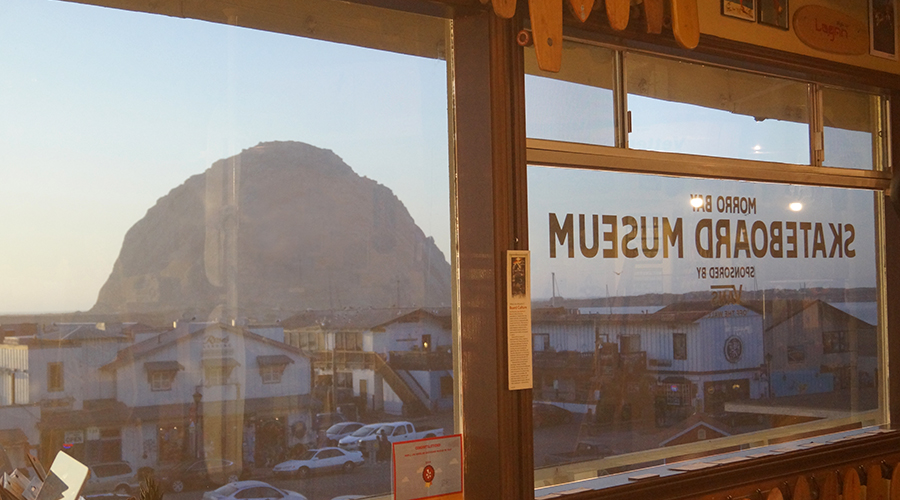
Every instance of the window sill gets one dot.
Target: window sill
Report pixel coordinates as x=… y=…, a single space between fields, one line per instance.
x=742 y=470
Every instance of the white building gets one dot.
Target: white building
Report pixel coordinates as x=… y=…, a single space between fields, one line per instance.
x=211 y=390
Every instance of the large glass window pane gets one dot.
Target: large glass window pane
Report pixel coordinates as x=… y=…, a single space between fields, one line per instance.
x=680 y=107
x=576 y=104
x=853 y=129
x=218 y=243
x=679 y=317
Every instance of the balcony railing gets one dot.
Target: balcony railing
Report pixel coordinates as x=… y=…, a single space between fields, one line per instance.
x=420 y=360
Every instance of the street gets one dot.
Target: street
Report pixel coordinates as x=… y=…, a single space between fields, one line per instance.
x=368 y=479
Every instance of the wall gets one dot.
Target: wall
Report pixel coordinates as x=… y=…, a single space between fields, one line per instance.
x=712 y=22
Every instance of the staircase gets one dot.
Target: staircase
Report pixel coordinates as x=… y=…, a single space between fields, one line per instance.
x=415 y=400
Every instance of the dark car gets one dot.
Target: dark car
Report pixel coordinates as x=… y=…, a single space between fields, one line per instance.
x=195 y=474
x=548 y=414
x=326 y=420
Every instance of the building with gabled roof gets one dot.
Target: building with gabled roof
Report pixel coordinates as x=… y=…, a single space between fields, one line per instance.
x=211 y=390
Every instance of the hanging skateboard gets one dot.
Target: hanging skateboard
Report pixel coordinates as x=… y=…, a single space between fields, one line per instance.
x=831 y=490
x=686 y=23
x=617 y=12
x=546 y=27
x=895 y=483
x=876 y=486
x=852 y=489
x=774 y=493
x=581 y=9
x=653 y=13
x=504 y=8
x=801 y=489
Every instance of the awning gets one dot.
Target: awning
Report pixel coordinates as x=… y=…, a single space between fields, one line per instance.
x=277 y=359
x=163 y=366
x=114 y=415
x=219 y=363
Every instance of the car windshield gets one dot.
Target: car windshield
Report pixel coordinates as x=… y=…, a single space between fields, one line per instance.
x=226 y=490
x=336 y=428
x=307 y=455
x=364 y=431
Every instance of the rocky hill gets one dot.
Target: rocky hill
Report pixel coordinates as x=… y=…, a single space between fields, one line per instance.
x=283 y=226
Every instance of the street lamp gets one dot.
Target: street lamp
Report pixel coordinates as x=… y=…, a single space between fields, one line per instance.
x=198 y=433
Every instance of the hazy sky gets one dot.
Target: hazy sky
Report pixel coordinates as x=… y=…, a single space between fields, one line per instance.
x=108 y=110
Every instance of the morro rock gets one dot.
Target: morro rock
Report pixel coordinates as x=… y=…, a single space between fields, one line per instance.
x=283 y=226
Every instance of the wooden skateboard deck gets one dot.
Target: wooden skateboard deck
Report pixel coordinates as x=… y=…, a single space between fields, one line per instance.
x=801 y=489
x=546 y=27
x=653 y=12
x=617 y=12
x=504 y=8
x=831 y=490
x=894 y=493
x=774 y=493
x=686 y=23
x=581 y=9
x=876 y=485
x=852 y=489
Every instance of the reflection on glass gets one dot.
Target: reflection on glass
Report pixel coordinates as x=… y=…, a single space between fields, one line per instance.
x=681 y=107
x=672 y=317
x=576 y=104
x=853 y=127
x=220 y=243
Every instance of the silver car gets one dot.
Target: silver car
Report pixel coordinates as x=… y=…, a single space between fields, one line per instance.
x=110 y=477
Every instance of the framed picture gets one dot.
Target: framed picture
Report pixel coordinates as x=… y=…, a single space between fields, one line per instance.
x=741 y=9
x=883 y=28
x=774 y=13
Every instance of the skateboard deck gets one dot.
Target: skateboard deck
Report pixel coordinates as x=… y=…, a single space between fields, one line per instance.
x=617 y=12
x=852 y=489
x=546 y=27
x=801 y=490
x=504 y=8
x=895 y=484
x=581 y=9
x=831 y=490
x=653 y=12
x=686 y=23
x=876 y=485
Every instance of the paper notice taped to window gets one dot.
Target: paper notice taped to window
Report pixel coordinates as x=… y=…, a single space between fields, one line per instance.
x=518 y=319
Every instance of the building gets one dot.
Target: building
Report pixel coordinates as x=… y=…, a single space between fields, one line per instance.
x=211 y=390
x=394 y=361
x=820 y=84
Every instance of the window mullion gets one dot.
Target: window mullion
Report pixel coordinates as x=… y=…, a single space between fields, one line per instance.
x=622 y=118
x=816 y=127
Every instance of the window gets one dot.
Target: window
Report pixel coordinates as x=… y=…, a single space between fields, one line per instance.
x=679 y=346
x=216 y=375
x=55 y=379
x=348 y=341
x=732 y=115
x=271 y=374
x=834 y=342
x=161 y=381
x=657 y=260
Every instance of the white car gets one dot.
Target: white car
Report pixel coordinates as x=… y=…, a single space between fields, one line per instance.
x=321 y=460
x=251 y=490
x=341 y=430
x=351 y=442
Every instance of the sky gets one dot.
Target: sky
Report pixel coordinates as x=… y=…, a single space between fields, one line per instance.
x=108 y=110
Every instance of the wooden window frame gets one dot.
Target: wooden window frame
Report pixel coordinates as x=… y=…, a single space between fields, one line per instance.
x=489 y=186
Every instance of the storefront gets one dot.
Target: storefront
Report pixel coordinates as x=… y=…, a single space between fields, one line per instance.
x=711 y=208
